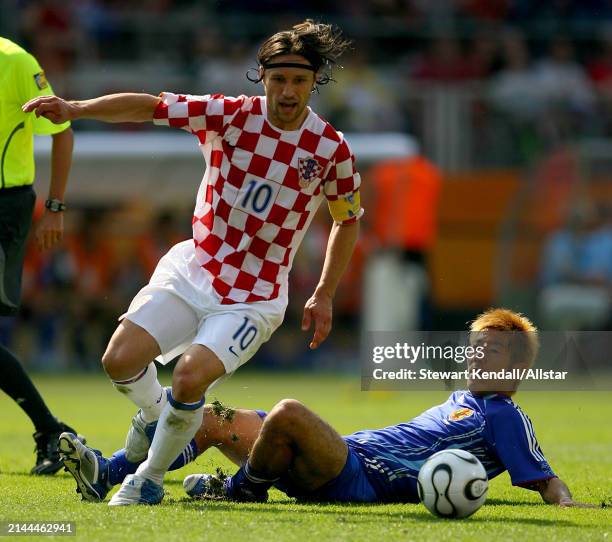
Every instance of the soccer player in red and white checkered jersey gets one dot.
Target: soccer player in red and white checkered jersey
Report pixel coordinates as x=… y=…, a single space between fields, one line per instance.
x=216 y=298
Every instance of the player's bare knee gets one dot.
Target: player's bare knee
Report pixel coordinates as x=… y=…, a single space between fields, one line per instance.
x=290 y=406
x=188 y=385
x=114 y=362
x=194 y=373
x=185 y=390
x=123 y=360
x=286 y=414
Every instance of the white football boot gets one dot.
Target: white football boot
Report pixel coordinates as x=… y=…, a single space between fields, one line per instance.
x=137 y=490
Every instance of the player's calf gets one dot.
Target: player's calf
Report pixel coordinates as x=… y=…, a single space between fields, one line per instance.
x=231 y=431
x=272 y=455
x=293 y=438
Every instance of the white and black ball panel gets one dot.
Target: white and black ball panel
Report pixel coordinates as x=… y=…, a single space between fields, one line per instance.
x=452 y=484
x=476 y=488
x=441 y=480
x=463 y=456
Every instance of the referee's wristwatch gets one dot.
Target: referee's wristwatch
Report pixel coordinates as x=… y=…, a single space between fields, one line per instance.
x=55 y=205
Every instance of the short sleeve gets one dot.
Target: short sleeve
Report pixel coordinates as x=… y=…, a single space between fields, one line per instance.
x=204 y=116
x=518 y=449
x=31 y=82
x=341 y=186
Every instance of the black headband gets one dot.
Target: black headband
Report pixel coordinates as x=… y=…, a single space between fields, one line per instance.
x=288 y=65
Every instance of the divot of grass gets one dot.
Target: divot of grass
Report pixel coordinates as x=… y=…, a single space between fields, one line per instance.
x=221 y=411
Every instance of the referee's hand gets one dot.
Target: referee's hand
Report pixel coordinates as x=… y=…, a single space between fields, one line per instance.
x=53 y=108
x=50 y=230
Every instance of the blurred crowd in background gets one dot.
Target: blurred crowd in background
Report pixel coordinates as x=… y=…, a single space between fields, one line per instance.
x=482 y=85
x=523 y=75
x=546 y=63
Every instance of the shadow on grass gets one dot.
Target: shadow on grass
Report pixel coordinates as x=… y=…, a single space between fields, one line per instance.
x=352 y=513
x=599 y=503
x=59 y=475
x=506 y=502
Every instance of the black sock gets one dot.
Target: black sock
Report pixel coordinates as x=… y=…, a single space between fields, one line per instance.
x=15 y=382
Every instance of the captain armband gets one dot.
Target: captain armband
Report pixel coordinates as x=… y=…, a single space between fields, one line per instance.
x=346 y=208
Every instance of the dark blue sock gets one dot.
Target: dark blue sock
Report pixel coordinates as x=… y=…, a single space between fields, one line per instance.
x=243 y=486
x=186 y=456
x=119 y=467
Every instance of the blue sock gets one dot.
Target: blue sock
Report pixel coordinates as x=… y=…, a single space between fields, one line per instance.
x=119 y=467
x=186 y=456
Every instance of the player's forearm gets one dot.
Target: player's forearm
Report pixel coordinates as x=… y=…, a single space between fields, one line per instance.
x=555 y=491
x=61 y=160
x=340 y=245
x=125 y=107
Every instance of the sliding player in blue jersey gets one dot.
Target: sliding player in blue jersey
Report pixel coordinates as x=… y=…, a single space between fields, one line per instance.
x=294 y=450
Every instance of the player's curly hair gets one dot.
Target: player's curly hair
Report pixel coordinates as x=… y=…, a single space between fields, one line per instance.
x=524 y=342
x=321 y=44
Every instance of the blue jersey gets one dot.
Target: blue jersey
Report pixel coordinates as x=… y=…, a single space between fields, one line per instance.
x=492 y=427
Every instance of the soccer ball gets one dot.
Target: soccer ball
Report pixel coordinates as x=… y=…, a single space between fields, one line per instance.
x=453 y=484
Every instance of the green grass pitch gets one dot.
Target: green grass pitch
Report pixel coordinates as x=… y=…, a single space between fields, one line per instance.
x=574 y=430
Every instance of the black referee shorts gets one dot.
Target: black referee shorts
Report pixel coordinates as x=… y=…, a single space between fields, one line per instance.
x=16 y=208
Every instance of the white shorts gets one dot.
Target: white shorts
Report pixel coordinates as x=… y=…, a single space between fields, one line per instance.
x=179 y=308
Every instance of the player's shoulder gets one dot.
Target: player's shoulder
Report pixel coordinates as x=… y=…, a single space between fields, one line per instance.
x=247 y=102
x=339 y=149
x=503 y=409
x=254 y=105
x=517 y=411
x=324 y=127
x=490 y=405
x=243 y=104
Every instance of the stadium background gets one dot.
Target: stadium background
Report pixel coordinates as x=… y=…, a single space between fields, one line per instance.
x=510 y=99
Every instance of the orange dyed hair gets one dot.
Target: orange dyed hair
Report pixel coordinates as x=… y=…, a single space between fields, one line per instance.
x=524 y=341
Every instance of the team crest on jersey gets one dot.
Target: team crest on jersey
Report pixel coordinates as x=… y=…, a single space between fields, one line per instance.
x=41 y=80
x=460 y=414
x=309 y=170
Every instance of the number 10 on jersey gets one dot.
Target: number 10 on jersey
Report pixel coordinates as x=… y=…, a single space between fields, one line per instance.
x=257 y=196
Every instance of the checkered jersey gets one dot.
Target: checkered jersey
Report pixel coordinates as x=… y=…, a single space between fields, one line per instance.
x=261 y=189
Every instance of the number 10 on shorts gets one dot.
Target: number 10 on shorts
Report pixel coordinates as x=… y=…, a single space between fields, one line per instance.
x=244 y=336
